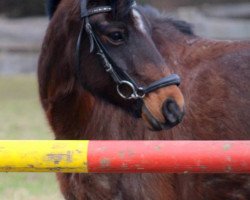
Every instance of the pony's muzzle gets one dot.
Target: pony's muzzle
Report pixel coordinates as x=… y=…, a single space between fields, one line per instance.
x=164 y=108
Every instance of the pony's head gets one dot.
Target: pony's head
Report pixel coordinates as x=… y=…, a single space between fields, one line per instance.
x=122 y=64
x=117 y=60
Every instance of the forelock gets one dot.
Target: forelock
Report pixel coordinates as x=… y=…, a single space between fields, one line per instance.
x=122 y=8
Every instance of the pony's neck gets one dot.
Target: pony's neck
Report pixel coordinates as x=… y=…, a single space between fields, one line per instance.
x=109 y=122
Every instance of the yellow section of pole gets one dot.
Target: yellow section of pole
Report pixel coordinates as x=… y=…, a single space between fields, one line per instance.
x=43 y=156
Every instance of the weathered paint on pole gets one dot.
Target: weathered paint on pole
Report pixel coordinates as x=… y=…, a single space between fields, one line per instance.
x=125 y=156
x=43 y=156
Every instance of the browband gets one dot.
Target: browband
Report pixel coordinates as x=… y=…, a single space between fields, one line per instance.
x=93 y=11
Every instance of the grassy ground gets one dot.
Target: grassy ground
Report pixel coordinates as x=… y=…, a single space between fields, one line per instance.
x=21 y=117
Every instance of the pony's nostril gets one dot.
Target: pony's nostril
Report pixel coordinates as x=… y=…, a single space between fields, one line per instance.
x=172 y=112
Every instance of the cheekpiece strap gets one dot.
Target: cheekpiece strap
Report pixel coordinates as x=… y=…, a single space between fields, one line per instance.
x=84 y=9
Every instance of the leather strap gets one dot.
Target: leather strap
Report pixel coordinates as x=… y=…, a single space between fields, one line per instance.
x=84 y=9
x=85 y=12
x=173 y=79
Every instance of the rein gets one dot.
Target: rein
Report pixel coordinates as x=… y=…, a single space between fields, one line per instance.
x=124 y=82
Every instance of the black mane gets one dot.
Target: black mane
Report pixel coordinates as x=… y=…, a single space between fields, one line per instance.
x=182 y=26
x=121 y=8
x=155 y=15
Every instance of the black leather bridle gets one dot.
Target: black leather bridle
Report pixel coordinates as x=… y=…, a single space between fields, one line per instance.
x=119 y=76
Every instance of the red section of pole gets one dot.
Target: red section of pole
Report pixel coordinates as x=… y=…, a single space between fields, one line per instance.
x=169 y=156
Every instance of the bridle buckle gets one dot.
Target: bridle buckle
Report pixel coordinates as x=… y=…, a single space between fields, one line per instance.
x=128 y=91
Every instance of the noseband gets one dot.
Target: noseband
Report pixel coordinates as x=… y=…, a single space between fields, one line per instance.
x=119 y=76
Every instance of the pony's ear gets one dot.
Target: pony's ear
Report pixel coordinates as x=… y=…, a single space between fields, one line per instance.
x=51 y=6
x=121 y=8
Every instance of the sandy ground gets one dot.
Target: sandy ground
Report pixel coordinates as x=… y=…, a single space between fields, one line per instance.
x=24 y=194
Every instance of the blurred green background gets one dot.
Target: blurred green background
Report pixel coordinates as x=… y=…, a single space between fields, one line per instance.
x=22 y=27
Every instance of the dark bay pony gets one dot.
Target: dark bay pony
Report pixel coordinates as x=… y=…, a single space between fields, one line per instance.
x=84 y=104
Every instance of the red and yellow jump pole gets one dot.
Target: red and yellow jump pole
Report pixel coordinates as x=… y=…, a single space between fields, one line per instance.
x=125 y=156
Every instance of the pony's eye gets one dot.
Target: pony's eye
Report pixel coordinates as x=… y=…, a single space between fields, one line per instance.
x=116 y=37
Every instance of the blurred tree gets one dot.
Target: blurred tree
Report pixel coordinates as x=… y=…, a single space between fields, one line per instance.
x=170 y=4
x=22 y=8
